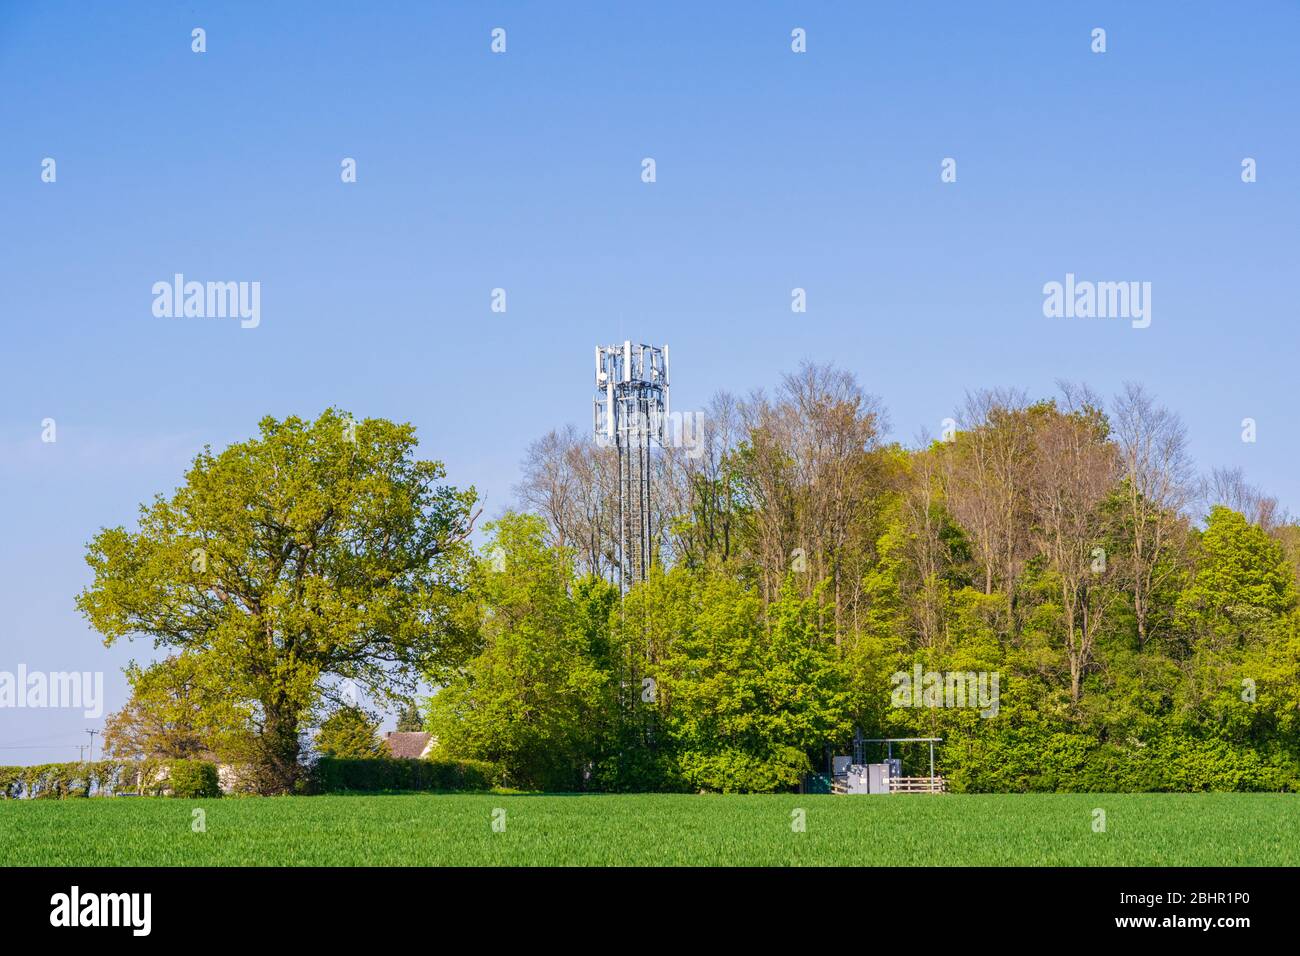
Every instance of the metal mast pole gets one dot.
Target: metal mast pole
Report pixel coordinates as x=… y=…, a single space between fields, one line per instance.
x=629 y=414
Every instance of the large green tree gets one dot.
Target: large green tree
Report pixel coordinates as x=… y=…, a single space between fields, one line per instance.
x=741 y=693
x=1243 y=583
x=317 y=553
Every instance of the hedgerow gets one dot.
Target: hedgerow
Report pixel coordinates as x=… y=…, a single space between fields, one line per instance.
x=108 y=778
x=376 y=774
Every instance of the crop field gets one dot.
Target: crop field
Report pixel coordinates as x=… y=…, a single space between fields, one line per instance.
x=657 y=829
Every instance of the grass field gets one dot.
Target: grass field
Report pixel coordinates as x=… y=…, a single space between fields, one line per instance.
x=456 y=829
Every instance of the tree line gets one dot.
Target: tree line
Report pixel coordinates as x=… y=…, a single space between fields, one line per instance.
x=1141 y=617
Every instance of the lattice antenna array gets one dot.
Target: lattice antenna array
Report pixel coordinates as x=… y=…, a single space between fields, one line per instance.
x=630 y=413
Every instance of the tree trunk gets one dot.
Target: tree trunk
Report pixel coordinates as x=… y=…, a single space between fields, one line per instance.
x=279 y=771
x=1140 y=612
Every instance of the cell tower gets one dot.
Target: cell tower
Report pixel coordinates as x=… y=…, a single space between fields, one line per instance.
x=630 y=412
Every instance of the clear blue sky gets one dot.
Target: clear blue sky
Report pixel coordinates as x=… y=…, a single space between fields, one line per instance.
x=522 y=171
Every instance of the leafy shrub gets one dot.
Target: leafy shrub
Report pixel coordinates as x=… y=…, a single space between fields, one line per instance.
x=192 y=779
x=736 y=771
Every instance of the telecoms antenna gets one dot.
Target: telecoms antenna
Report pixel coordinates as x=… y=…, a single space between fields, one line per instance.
x=629 y=413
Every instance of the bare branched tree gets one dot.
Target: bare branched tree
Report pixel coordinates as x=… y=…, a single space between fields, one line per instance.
x=568 y=479
x=811 y=475
x=698 y=496
x=1229 y=487
x=1074 y=468
x=923 y=510
x=1159 y=484
x=986 y=482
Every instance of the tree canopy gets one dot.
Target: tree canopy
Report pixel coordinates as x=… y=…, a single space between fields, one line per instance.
x=1138 y=624
x=317 y=553
x=1141 y=621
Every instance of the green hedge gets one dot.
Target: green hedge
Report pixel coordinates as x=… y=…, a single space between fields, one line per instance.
x=55 y=781
x=108 y=778
x=373 y=774
x=1021 y=760
x=197 y=779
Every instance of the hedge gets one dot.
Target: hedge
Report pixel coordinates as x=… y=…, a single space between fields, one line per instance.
x=107 y=778
x=55 y=781
x=373 y=774
x=1024 y=760
x=195 y=779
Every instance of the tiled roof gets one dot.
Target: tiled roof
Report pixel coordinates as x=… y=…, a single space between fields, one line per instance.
x=407 y=743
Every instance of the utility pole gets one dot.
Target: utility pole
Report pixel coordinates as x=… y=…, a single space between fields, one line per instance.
x=92 y=741
x=81 y=753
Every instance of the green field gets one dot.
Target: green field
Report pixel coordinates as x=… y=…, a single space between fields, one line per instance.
x=456 y=829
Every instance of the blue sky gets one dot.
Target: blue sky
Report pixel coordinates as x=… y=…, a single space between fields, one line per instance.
x=522 y=171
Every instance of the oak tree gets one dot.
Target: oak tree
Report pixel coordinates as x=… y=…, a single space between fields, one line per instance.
x=315 y=554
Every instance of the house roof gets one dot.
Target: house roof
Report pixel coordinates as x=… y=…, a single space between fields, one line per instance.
x=411 y=744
